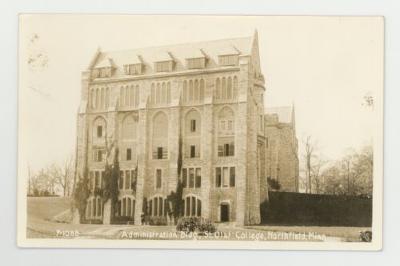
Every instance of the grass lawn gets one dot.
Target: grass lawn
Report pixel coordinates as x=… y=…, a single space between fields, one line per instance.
x=42 y=210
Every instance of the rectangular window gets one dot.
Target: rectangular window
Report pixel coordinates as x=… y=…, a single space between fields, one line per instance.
x=158 y=178
x=121 y=180
x=127 y=179
x=232 y=177
x=150 y=207
x=231 y=149
x=226 y=149
x=192 y=151
x=198 y=178
x=225 y=178
x=228 y=60
x=218 y=177
x=98 y=155
x=220 y=150
x=184 y=177
x=97 y=179
x=99 y=131
x=159 y=153
x=165 y=66
x=128 y=154
x=196 y=63
x=193 y=125
x=191 y=178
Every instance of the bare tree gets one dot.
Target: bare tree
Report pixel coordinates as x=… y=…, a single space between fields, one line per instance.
x=64 y=176
x=308 y=155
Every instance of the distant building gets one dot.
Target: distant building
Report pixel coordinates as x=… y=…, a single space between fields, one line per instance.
x=193 y=112
x=282 y=162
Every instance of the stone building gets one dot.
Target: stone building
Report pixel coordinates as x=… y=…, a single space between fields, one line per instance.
x=197 y=108
x=282 y=162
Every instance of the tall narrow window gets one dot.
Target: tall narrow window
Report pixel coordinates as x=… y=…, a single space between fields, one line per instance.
x=159 y=153
x=198 y=178
x=158 y=178
x=225 y=179
x=128 y=154
x=127 y=179
x=198 y=207
x=218 y=177
x=192 y=151
x=99 y=131
x=232 y=177
x=184 y=177
x=191 y=178
x=193 y=125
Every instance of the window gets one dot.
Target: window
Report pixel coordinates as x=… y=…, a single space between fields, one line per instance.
x=121 y=180
x=158 y=178
x=192 y=206
x=99 y=131
x=225 y=177
x=128 y=154
x=159 y=206
x=228 y=60
x=196 y=63
x=193 y=125
x=159 y=152
x=127 y=180
x=198 y=178
x=184 y=177
x=192 y=151
x=164 y=66
x=218 y=177
x=98 y=155
x=232 y=177
x=226 y=149
x=133 y=69
x=191 y=178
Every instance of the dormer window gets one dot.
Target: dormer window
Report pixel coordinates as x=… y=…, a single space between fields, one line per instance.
x=196 y=63
x=164 y=66
x=133 y=69
x=228 y=60
x=102 y=72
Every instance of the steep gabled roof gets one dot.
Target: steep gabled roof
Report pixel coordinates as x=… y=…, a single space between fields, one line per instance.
x=179 y=53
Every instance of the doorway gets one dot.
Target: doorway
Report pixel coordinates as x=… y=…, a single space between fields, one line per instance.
x=224 y=212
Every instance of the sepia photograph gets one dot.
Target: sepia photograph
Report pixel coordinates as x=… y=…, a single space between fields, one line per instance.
x=204 y=132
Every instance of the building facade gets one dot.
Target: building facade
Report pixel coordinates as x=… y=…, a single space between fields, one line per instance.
x=282 y=162
x=193 y=112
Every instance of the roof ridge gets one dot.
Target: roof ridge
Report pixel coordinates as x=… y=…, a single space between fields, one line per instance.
x=175 y=44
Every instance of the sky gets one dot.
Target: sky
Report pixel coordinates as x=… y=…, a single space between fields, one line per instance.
x=325 y=66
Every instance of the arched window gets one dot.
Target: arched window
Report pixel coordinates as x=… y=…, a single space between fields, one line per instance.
x=157 y=206
x=99 y=128
x=126 y=96
x=102 y=98
x=192 y=206
x=169 y=92
x=126 y=206
x=235 y=87
x=97 y=98
x=184 y=92
x=163 y=93
x=193 y=123
x=132 y=96
x=226 y=132
x=158 y=93
x=153 y=94
x=191 y=92
x=137 y=95
x=107 y=97
x=223 y=88
x=129 y=128
x=196 y=90
x=229 y=88
x=160 y=136
x=201 y=89
x=218 y=88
